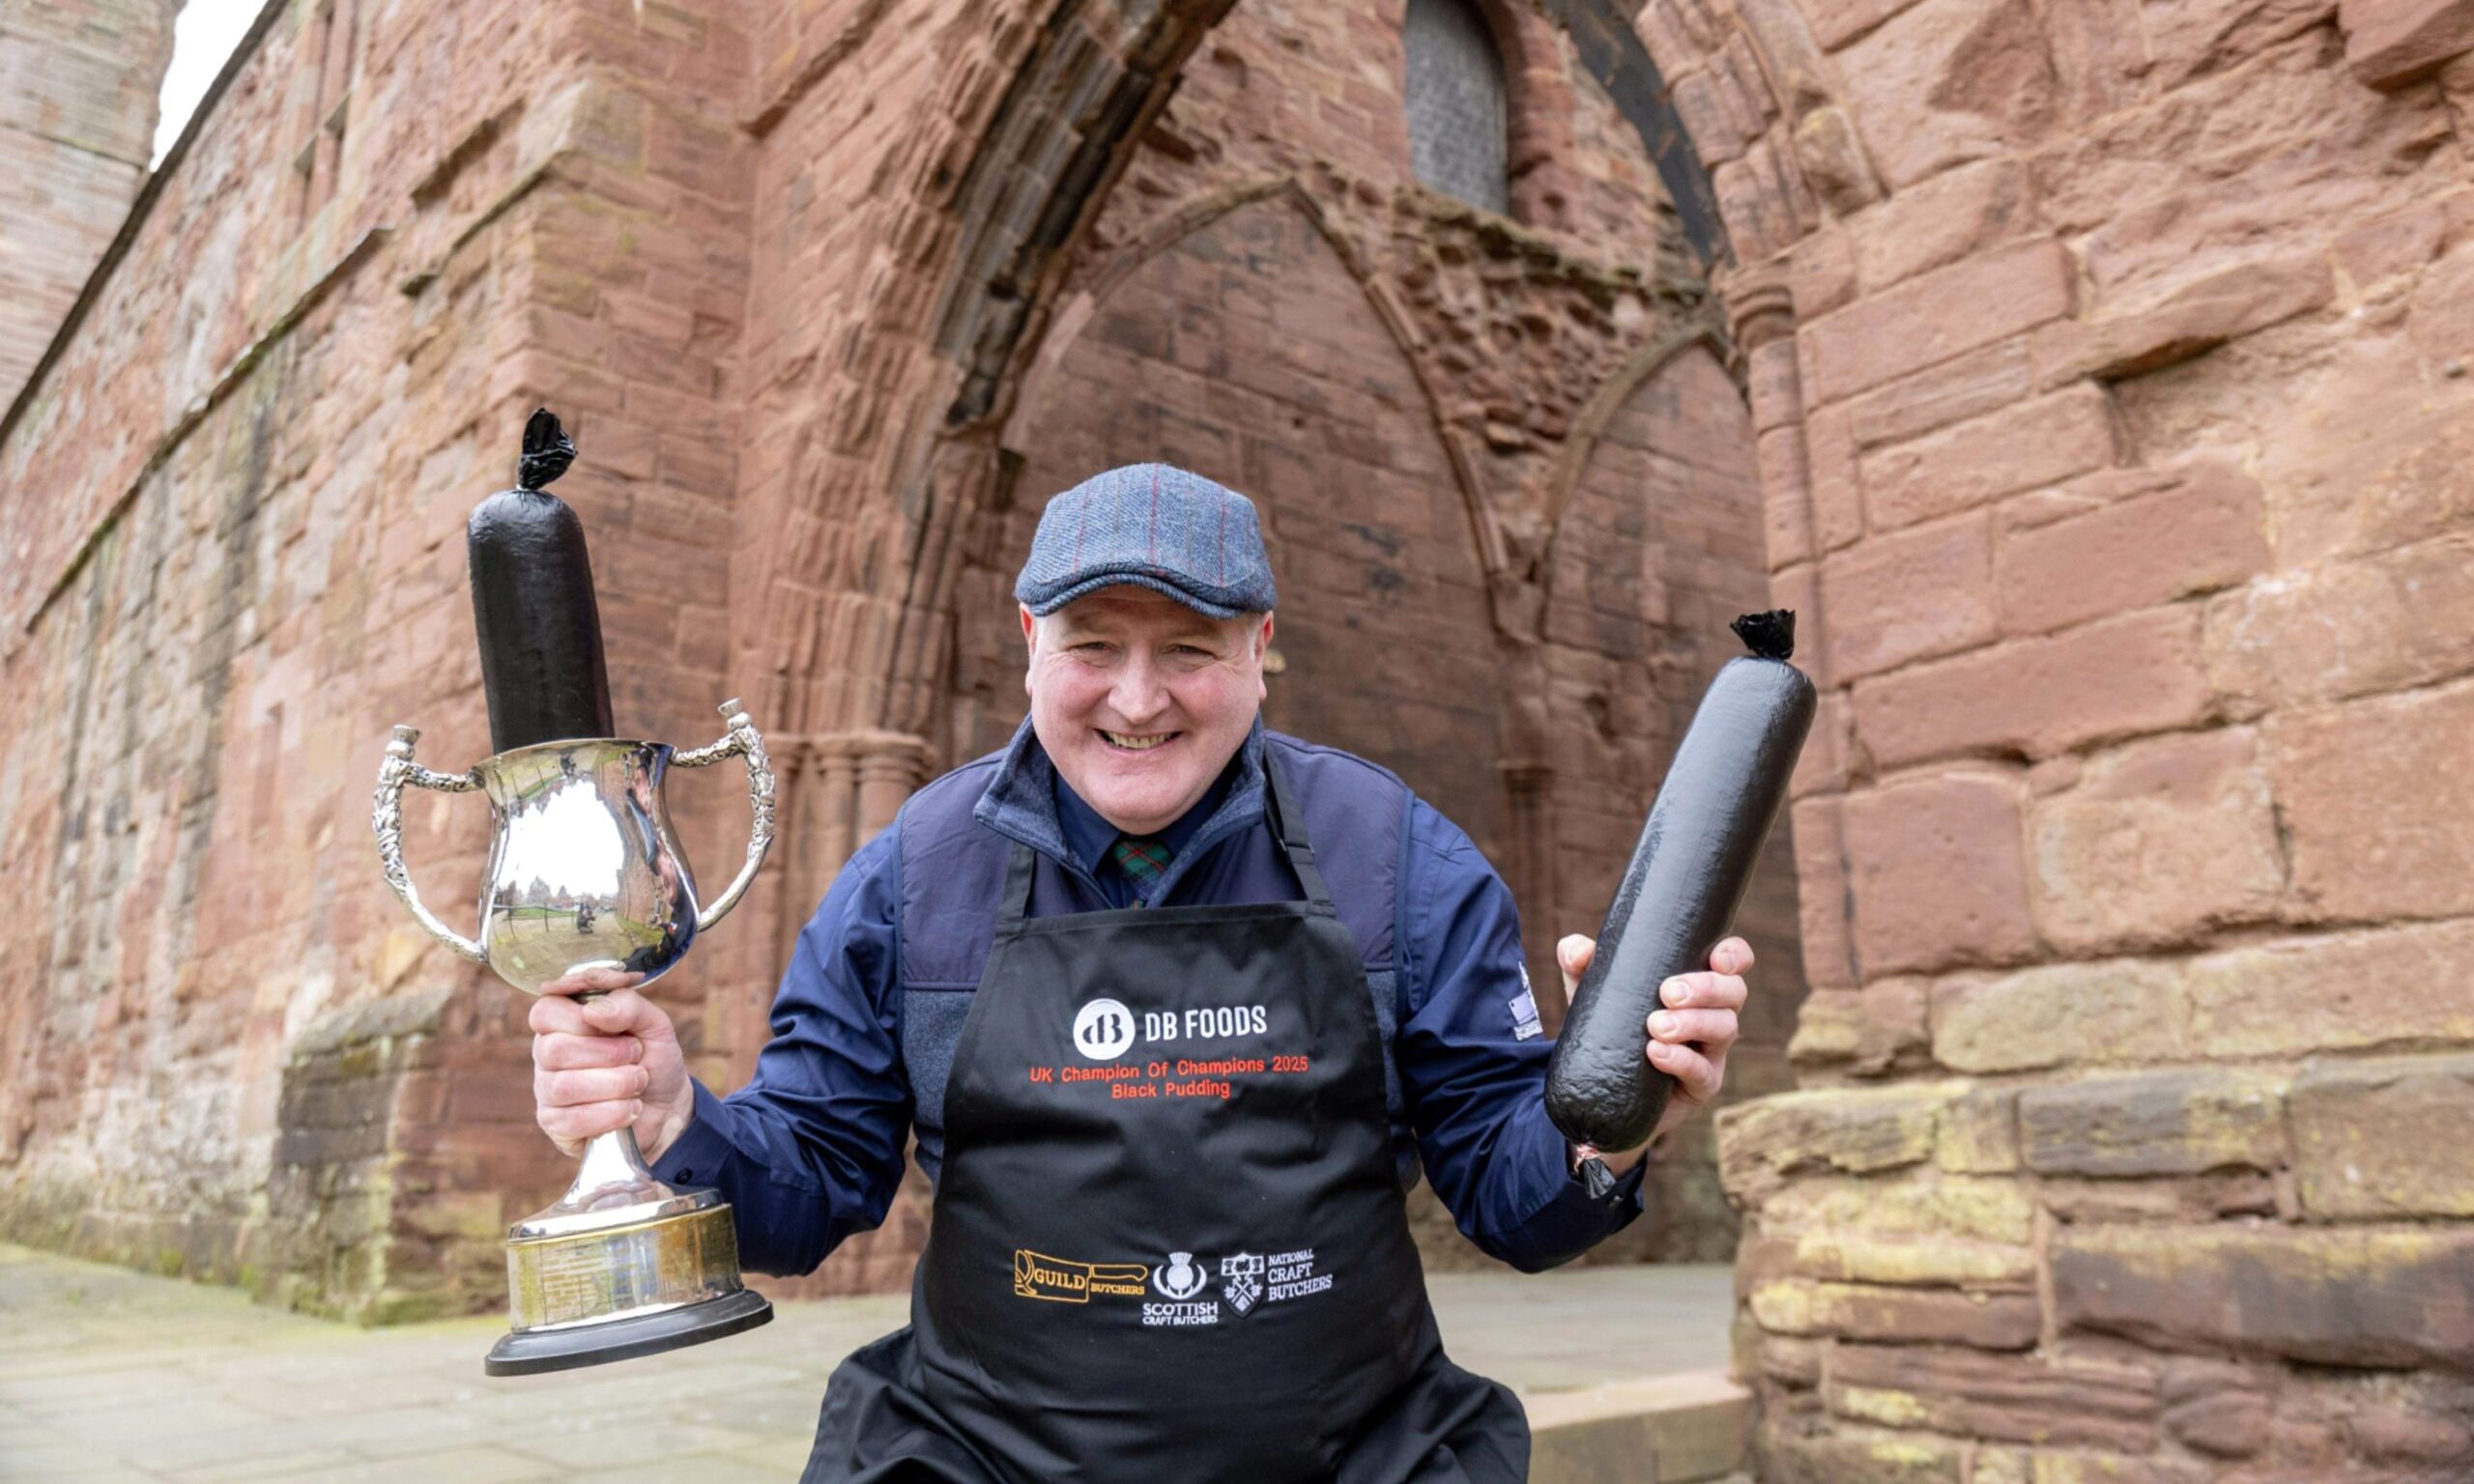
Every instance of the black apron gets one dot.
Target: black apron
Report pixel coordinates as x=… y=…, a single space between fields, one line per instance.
x=1169 y=1241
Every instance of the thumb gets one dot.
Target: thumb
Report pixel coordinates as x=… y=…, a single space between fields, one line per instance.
x=1573 y=956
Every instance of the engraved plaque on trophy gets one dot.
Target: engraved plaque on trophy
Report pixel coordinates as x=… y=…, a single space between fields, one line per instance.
x=586 y=886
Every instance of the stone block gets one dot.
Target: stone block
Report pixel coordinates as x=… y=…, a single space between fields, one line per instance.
x=2150 y=332
x=2392 y=43
x=1821 y=900
x=2393 y=1435
x=2205 y=529
x=1857 y=1311
x=1970 y=464
x=1934 y=316
x=2063 y=1014
x=1936 y=876
x=2014 y=1399
x=1867 y=1031
x=2338 y=993
x=1850 y=1457
x=1962 y=387
x=2377 y=799
x=1940 y=221
x=1837 y=488
x=1832 y=161
x=2119 y=677
x=1948 y=81
x=1764 y=1143
x=2385 y=1140
x=2160 y=1123
x=2343 y=629
x=1910 y=596
x=1978 y=1133
x=2156 y=842
x=1948 y=1208
x=2328 y=1296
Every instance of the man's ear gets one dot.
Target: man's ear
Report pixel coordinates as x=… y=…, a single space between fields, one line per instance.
x=1262 y=652
x=1030 y=643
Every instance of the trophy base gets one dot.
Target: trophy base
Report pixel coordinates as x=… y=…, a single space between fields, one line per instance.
x=530 y=1353
x=623 y=1266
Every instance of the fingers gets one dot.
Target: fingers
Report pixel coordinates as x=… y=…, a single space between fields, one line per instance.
x=569 y=1128
x=1697 y=1075
x=617 y=1012
x=1573 y=953
x=1731 y=955
x=562 y=1052
x=1711 y=1030
x=1702 y=991
x=600 y=1084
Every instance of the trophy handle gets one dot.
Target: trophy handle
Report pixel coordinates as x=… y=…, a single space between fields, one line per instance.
x=742 y=742
x=387 y=816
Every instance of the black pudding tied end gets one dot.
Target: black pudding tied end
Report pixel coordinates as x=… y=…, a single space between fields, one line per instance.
x=533 y=603
x=1679 y=896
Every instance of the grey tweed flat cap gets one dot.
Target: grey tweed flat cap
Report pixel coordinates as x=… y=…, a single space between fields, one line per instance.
x=1156 y=526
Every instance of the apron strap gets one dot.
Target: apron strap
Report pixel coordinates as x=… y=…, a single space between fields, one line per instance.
x=1288 y=822
x=1017 y=895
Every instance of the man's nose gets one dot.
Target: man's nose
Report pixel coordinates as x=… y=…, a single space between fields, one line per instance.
x=1142 y=691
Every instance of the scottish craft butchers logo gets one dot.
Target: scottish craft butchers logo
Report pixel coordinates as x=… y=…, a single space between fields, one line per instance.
x=1241 y=1280
x=1180 y=1276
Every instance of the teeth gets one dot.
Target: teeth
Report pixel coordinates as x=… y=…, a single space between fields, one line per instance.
x=1136 y=744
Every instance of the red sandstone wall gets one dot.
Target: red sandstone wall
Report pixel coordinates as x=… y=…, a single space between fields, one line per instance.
x=235 y=556
x=793 y=281
x=78 y=80
x=2108 y=367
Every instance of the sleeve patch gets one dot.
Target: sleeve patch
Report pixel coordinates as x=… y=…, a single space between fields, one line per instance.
x=1524 y=1012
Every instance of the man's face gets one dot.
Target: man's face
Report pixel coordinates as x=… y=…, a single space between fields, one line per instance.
x=1141 y=702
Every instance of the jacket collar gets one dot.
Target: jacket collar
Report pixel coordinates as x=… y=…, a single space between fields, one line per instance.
x=1019 y=803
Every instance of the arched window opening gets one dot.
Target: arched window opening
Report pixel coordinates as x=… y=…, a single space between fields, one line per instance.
x=1457 y=112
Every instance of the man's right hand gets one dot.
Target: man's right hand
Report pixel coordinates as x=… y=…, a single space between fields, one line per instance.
x=607 y=1062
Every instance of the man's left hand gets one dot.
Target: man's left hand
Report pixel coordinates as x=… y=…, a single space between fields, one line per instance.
x=1688 y=1036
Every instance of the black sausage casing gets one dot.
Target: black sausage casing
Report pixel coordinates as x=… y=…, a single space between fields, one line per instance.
x=532 y=606
x=1680 y=894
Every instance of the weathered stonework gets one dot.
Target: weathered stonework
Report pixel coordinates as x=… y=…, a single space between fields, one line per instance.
x=831 y=296
x=2130 y=492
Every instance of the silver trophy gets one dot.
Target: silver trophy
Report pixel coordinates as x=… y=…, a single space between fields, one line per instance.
x=587 y=886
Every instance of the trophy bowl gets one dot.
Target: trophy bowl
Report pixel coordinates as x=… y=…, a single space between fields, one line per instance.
x=586 y=890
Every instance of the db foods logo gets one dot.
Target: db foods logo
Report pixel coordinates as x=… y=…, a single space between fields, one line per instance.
x=1103 y=1030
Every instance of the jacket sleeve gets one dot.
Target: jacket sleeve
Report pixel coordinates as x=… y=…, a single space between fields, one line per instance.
x=1473 y=1067
x=810 y=1150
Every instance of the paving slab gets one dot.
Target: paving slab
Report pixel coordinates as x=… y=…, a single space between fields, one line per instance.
x=110 y=1375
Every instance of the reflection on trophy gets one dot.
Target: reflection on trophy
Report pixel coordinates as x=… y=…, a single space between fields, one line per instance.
x=586 y=890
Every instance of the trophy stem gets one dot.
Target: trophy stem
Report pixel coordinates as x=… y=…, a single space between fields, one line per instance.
x=612 y=1173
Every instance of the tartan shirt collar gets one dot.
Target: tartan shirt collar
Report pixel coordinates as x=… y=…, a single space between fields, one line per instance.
x=1029 y=802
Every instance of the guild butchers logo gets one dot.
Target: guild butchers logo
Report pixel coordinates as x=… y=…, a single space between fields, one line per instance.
x=1241 y=1280
x=1061 y=1280
x=1180 y=1276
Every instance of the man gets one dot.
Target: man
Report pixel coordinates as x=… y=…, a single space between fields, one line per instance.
x=1175 y=1007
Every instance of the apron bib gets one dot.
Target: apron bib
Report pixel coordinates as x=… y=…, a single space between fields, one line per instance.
x=1169 y=1241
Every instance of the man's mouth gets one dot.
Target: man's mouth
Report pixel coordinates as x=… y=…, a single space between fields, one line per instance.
x=1136 y=742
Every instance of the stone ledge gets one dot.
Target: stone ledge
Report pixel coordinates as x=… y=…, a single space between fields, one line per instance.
x=1664 y=1430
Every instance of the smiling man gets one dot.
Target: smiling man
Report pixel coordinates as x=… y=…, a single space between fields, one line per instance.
x=1177 y=1009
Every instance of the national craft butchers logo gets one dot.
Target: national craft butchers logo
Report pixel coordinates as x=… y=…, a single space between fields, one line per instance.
x=1241 y=1280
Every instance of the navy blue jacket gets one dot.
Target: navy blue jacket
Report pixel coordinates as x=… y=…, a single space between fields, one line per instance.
x=864 y=1026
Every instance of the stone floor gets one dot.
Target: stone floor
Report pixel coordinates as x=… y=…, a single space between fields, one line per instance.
x=110 y=1375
